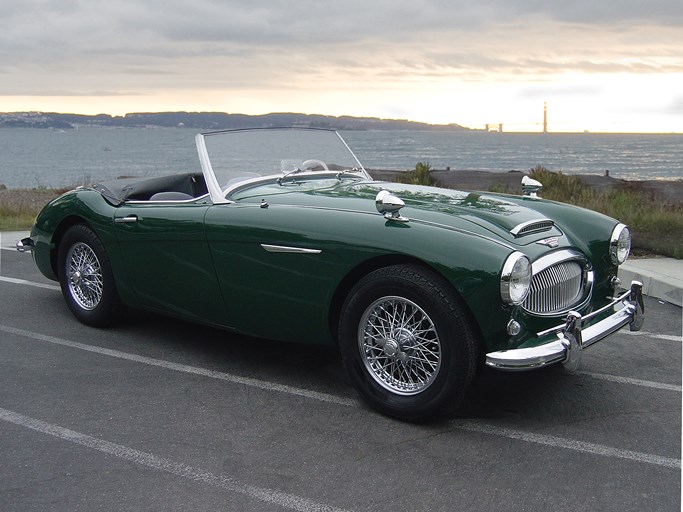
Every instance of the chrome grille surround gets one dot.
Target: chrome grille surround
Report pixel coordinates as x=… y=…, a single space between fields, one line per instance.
x=562 y=281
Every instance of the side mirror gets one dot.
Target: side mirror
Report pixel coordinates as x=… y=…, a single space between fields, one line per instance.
x=531 y=187
x=389 y=205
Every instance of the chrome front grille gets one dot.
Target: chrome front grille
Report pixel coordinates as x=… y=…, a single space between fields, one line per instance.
x=556 y=288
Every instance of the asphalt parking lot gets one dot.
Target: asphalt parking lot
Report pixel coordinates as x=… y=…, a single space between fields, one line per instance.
x=158 y=414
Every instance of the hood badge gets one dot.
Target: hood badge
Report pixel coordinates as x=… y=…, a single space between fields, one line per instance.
x=551 y=242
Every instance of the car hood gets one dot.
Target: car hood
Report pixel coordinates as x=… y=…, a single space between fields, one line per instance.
x=481 y=212
x=494 y=216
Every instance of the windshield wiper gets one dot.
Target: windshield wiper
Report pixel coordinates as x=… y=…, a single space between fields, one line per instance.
x=288 y=174
x=340 y=174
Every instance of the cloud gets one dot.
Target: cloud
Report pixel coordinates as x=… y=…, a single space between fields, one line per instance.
x=544 y=91
x=676 y=106
x=134 y=47
x=292 y=21
x=65 y=93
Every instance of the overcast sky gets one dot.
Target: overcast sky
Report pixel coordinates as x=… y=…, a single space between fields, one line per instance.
x=601 y=65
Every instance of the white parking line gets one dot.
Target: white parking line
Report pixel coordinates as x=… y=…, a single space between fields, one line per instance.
x=467 y=425
x=290 y=501
x=628 y=380
x=246 y=381
x=652 y=335
x=14 y=280
x=569 y=444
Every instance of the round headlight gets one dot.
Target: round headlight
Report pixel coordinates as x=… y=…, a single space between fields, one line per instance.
x=620 y=244
x=515 y=278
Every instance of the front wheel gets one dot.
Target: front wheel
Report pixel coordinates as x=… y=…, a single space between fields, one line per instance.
x=86 y=278
x=406 y=343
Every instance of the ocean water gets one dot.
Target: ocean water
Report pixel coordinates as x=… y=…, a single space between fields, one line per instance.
x=47 y=158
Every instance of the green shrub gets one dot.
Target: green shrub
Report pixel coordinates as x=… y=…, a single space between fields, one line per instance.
x=420 y=176
x=656 y=227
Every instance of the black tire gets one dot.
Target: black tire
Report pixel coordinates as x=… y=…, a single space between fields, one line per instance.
x=407 y=343
x=86 y=278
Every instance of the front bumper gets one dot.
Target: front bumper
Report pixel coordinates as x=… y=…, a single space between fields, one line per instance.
x=565 y=343
x=25 y=245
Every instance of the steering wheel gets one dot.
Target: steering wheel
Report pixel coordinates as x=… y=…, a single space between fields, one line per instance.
x=312 y=161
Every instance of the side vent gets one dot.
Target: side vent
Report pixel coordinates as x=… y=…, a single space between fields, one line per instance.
x=532 y=226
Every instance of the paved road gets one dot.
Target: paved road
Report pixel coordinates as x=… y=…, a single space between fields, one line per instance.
x=158 y=414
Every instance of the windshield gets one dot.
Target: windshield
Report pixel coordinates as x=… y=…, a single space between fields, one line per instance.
x=239 y=155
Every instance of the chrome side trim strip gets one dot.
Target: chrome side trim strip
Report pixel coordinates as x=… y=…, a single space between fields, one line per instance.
x=167 y=201
x=290 y=250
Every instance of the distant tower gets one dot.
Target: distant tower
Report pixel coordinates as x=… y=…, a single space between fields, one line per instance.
x=545 y=117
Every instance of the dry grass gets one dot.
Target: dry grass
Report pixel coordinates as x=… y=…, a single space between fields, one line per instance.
x=655 y=221
x=656 y=224
x=19 y=207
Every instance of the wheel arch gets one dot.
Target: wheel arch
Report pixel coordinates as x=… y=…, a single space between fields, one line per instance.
x=58 y=234
x=360 y=271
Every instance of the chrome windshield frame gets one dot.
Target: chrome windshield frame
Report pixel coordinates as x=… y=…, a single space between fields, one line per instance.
x=215 y=191
x=220 y=195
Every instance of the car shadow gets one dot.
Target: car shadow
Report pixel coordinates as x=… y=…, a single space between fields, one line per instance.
x=221 y=350
x=546 y=396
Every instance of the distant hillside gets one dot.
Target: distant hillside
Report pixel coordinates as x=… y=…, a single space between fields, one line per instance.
x=213 y=121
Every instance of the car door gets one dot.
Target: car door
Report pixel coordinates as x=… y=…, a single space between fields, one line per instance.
x=167 y=259
x=278 y=267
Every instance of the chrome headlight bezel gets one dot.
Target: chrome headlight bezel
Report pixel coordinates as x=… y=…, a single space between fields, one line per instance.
x=515 y=278
x=620 y=244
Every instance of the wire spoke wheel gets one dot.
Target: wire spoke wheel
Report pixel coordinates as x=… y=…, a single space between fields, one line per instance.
x=84 y=275
x=399 y=345
x=406 y=343
x=86 y=278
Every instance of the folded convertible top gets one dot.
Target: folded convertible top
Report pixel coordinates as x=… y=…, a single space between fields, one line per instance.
x=141 y=189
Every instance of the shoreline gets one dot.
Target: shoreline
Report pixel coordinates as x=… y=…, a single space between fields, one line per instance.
x=652 y=208
x=666 y=191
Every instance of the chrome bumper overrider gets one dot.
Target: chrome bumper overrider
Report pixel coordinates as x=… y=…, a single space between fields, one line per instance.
x=25 y=245
x=567 y=341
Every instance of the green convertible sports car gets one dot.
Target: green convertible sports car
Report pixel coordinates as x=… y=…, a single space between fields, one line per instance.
x=284 y=235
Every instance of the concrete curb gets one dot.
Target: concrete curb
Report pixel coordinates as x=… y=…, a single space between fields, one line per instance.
x=662 y=278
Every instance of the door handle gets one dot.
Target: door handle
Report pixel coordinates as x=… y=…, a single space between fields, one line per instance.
x=126 y=220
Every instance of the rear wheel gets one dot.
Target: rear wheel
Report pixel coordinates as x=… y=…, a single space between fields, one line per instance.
x=407 y=343
x=86 y=279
